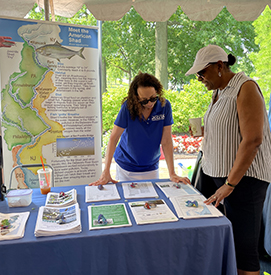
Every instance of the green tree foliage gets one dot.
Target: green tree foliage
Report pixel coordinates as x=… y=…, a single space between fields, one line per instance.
x=186 y=37
x=262 y=59
x=111 y=105
x=82 y=17
x=191 y=102
x=128 y=46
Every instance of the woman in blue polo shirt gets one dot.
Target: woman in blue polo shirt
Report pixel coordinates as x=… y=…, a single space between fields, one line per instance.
x=143 y=123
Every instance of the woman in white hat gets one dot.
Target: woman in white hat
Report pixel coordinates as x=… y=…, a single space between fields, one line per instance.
x=236 y=150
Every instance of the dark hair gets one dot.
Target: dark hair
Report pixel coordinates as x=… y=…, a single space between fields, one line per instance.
x=142 y=80
x=231 y=60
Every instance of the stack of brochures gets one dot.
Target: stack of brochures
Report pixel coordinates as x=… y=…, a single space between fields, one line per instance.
x=58 y=220
x=61 y=199
x=12 y=225
x=60 y=215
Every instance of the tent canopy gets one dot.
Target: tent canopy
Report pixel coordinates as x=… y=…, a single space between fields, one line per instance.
x=150 y=10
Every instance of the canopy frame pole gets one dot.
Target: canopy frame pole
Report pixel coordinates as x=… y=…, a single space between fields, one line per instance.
x=46 y=10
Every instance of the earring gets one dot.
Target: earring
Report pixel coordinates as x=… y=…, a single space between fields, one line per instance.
x=219 y=74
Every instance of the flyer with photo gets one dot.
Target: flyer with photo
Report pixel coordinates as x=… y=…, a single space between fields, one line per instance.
x=108 y=216
x=152 y=211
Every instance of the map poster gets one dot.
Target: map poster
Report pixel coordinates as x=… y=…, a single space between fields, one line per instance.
x=50 y=101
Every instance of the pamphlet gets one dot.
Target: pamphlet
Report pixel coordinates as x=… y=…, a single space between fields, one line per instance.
x=153 y=211
x=61 y=199
x=193 y=206
x=58 y=221
x=107 y=192
x=12 y=225
x=172 y=189
x=137 y=190
x=108 y=216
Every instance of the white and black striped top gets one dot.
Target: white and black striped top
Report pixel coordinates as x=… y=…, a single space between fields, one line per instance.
x=222 y=136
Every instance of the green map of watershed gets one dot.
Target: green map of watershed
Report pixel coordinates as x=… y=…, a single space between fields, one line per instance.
x=50 y=102
x=27 y=128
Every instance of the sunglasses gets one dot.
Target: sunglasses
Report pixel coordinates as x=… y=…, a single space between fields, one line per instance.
x=146 y=101
x=201 y=73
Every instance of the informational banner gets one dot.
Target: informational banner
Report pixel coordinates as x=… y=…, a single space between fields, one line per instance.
x=50 y=101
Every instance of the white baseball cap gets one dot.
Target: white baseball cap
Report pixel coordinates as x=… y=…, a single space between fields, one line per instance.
x=206 y=55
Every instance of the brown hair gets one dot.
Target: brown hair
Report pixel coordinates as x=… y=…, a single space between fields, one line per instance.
x=142 y=80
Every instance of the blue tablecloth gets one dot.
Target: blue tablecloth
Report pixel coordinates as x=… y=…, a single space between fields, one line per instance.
x=198 y=246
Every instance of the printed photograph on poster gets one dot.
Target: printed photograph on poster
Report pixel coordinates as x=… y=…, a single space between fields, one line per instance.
x=50 y=100
x=75 y=146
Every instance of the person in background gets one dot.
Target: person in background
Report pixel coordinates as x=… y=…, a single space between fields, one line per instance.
x=236 y=150
x=143 y=123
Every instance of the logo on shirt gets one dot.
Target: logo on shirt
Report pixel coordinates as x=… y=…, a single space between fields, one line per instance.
x=158 y=117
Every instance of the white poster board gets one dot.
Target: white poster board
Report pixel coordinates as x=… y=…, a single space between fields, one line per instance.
x=50 y=101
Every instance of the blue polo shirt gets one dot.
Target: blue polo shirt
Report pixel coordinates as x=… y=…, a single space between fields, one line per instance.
x=139 y=146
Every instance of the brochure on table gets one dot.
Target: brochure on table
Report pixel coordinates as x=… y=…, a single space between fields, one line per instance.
x=193 y=206
x=172 y=189
x=61 y=199
x=152 y=211
x=108 y=216
x=13 y=225
x=107 y=192
x=137 y=190
x=58 y=221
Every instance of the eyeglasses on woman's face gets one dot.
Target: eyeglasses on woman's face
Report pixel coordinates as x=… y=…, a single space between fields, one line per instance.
x=201 y=73
x=146 y=101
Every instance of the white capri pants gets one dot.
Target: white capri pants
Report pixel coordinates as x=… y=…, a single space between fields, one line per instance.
x=124 y=175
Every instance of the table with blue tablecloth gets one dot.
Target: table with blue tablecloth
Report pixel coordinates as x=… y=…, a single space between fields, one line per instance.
x=196 y=246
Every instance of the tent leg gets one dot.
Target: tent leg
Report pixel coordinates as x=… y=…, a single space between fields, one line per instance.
x=46 y=10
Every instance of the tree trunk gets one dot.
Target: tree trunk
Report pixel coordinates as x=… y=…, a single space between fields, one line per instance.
x=161 y=53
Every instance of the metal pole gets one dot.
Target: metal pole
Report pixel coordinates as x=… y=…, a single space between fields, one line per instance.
x=99 y=24
x=46 y=10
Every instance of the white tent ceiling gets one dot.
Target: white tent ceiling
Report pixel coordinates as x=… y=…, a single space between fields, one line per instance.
x=150 y=10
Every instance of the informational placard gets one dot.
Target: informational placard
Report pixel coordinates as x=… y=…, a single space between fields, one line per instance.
x=106 y=192
x=153 y=211
x=193 y=207
x=172 y=189
x=108 y=216
x=50 y=101
x=136 y=190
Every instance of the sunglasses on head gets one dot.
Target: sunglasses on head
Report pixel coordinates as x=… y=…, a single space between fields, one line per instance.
x=146 y=101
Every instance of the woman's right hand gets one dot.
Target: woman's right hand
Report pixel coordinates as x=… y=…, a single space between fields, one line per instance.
x=104 y=179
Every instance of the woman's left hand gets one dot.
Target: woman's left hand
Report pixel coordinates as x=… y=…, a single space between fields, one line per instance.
x=221 y=193
x=176 y=178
